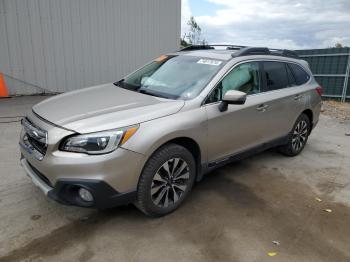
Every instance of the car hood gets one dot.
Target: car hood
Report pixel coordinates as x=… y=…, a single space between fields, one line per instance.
x=104 y=107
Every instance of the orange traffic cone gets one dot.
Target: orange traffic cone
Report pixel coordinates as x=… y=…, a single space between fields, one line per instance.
x=3 y=89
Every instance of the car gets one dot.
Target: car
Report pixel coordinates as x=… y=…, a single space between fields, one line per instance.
x=146 y=139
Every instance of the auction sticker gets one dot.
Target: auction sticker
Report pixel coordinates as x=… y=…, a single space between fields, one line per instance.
x=209 y=62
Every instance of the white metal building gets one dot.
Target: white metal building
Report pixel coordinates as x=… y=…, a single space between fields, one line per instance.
x=61 y=45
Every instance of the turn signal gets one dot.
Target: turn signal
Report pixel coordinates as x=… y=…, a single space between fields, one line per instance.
x=128 y=134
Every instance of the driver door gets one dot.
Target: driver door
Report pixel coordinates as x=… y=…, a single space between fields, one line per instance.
x=240 y=127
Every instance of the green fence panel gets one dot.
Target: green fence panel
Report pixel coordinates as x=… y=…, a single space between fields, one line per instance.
x=333 y=86
x=329 y=66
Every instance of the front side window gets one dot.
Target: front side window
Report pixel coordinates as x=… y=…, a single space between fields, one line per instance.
x=174 y=77
x=301 y=77
x=276 y=75
x=245 y=77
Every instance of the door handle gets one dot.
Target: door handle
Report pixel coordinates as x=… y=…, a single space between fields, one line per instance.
x=262 y=107
x=297 y=97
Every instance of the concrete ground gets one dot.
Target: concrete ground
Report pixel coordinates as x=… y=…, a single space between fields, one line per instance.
x=234 y=214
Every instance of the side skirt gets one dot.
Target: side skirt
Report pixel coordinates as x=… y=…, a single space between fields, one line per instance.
x=208 y=167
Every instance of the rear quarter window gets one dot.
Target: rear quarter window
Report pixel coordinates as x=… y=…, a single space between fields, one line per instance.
x=301 y=77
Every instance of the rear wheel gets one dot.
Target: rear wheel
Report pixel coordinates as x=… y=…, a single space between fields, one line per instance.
x=297 y=138
x=166 y=180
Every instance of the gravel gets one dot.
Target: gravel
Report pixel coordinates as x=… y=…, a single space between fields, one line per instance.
x=340 y=111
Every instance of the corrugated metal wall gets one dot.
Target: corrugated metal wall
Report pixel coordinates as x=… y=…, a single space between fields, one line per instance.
x=62 y=45
x=331 y=68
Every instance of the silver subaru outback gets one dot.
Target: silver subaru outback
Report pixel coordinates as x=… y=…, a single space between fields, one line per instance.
x=149 y=137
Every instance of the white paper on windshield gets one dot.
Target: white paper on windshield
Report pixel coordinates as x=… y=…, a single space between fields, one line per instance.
x=209 y=62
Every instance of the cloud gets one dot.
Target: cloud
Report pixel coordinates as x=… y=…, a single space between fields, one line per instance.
x=185 y=15
x=277 y=24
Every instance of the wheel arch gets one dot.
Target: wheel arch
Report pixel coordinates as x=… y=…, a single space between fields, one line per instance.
x=309 y=114
x=191 y=145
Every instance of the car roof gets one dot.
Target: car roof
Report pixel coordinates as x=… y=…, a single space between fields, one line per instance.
x=244 y=53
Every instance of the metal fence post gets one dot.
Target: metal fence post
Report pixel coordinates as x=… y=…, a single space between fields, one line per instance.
x=346 y=80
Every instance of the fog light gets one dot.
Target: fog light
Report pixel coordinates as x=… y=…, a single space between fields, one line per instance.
x=85 y=195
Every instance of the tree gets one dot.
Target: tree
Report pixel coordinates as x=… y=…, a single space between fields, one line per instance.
x=338 y=45
x=183 y=42
x=194 y=34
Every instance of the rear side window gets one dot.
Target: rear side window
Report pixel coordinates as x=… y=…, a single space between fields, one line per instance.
x=275 y=75
x=301 y=77
x=291 y=78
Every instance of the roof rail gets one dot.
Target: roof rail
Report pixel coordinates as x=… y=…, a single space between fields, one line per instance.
x=265 y=51
x=284 y=52
x=206 y=47
x=197 y=47
x=245 y=50
x=252 y=51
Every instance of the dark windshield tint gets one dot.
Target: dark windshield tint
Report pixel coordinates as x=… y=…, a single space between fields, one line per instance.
x=301 y=77
x=276 y=75
x=175 y=77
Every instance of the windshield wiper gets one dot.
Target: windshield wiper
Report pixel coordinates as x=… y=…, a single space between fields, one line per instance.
x=119 y=83
x=144 y=91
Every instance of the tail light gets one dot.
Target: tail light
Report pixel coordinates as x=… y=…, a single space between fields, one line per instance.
x=319 y=90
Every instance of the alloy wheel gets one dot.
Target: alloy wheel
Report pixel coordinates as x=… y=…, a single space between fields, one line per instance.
x=170 y=182
x=299 y=136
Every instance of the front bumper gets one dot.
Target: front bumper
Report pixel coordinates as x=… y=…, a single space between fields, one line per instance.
x=112 y=178
x=35 y=177
x=65 y=191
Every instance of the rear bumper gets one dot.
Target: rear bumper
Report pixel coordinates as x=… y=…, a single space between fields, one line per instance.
x=65 y=191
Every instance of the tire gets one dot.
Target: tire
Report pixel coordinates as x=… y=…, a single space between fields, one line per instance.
x=166 y=180
x=297 y=138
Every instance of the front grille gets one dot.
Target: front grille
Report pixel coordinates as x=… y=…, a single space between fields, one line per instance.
x=39 y=174
x=41 y=147
x=36 y=136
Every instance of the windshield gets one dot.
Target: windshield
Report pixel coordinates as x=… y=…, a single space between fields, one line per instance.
x=174 y=77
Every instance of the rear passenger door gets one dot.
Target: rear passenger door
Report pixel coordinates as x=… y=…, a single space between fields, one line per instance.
x=285 y=98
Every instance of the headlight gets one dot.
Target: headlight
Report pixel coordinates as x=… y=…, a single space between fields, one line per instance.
x=98 y=143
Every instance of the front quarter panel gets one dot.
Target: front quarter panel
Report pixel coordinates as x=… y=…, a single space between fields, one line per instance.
x=153 y=134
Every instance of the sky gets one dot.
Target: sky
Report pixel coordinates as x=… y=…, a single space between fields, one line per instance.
x=272 y=23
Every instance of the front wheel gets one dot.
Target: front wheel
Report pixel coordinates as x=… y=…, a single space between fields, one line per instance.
x=297 y=138
x=166 y=180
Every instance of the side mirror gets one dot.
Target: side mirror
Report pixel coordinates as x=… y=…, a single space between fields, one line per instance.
x=233 y=97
